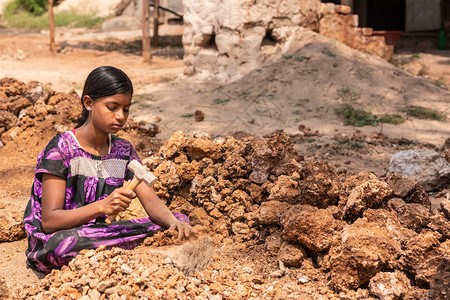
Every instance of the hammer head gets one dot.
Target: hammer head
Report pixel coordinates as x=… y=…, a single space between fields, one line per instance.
x=142 y=173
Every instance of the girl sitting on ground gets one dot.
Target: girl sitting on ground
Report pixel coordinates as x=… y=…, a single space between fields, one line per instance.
x=79 y=182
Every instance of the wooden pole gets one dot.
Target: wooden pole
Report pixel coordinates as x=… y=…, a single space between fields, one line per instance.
x=146 y=53
x=51 y=23
x=156 y=23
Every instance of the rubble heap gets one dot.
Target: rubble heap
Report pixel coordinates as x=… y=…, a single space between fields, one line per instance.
x=356 y=235
x=355 y=226
x=26 y=106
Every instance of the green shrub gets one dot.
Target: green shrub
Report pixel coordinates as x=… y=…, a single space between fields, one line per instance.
x=17 y=17
x=391 y=119
x=359 y=117
x=356 y=117
x=425 y=113
x=35 y=7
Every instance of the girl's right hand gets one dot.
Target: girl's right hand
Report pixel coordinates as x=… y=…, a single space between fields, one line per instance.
x=117 y=201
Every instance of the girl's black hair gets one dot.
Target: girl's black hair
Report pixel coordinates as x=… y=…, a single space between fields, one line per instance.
x=102 y=82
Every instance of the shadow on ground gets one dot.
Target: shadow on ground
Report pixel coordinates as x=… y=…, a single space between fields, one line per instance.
x=169 y=46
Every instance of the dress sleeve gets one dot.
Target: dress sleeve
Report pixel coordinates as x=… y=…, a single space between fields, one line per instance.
x=51 y=161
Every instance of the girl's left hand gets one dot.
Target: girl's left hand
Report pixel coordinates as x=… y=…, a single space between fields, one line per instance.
x=184 y=229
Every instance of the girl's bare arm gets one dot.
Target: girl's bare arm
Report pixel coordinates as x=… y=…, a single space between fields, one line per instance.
x=159 y=212
x=55 y=217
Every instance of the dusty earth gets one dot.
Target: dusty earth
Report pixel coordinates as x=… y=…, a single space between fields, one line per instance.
x=295 y=94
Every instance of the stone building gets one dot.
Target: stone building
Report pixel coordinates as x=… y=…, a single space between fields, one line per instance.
x=227 y=39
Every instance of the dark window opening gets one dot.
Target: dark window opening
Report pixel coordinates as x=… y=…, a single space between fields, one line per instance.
x=388 y=15
x=332 y=1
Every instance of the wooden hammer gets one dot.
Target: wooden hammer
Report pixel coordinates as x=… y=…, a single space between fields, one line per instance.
x=141 y=173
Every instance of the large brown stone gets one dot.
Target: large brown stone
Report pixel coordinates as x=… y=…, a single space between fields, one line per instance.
x=7 y=119
x=11 y=86
x=187 y=171
x=36 y=91
x=236 y=166
x=422 y=254
x=401 y=186
x=441 y=224
x=17 y=103
x=285 y=189
x=273 y=156
x=69 y=108
x=418 y=195
x=361 y=192
x=270 y=212
x=389 y=285
x=197 y=149
x=174 y=146
x=359 y=252
x=11 y=226
x=319 y=184
x=167 y=174
x=291 y=254
x=353 y=181
x=200 y=217
x=440 y=285
x=411 y=215
x=309 y=226
x=388 y=220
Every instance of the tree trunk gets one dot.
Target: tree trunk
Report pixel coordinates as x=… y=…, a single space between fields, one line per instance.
x=156 y=23
x=51 y=23
x=146 y=54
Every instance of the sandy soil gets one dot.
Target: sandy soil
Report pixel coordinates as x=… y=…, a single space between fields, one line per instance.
x=252 y=106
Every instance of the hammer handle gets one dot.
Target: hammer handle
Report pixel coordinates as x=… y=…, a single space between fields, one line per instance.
x=130 y=186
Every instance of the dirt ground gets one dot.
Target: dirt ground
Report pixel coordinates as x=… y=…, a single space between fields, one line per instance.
x=164 y=96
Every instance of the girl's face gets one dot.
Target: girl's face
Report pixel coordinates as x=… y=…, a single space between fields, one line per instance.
x=110 y=113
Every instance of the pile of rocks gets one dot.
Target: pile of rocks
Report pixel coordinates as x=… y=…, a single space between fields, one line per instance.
x=144 y=273
x=359 y=228
x=32 y=105
x=221 y=183
x=128 y=274
x=24 y=105
x=343 y=235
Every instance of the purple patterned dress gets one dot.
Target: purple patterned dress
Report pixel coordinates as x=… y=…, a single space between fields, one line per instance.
x=88 y=178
